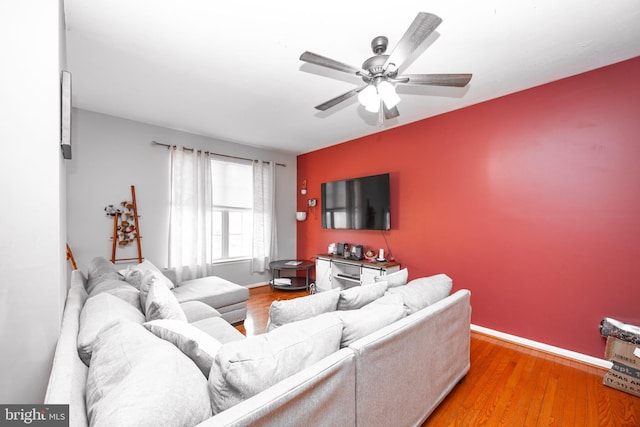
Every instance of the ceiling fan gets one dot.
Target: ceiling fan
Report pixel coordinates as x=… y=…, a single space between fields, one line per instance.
x=380 y=72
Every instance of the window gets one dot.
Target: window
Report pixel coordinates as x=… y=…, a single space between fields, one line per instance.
x=232 y=204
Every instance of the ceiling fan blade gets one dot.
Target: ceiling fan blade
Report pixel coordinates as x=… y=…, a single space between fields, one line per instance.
x=338 y=99
x=390 y=113
x=457 y=80
x=422 y=26
x=323 y=61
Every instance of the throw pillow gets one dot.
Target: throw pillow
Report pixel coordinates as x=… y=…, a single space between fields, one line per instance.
x=193 y=342
x=359 y=323
x=118 y=288
x=147 y=267
x=132 y=276
x=422 y=292
x=98 y=312
x=100 y=269
x=137 y=379
x=359 y=296
x=399 y=278
x=145 y=284
x=283 y=312
x=162 y=304
x=242 y=369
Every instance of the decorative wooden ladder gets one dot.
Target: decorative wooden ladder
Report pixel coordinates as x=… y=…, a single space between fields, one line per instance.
x=137 y=237
x=71 y=259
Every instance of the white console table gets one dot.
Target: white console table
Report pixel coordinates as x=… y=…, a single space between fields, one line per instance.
x=338 y=272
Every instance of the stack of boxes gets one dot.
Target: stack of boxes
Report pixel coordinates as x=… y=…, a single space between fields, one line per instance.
x=623 y=349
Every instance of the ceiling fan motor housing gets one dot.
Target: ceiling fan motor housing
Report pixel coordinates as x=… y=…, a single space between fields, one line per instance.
x=375 y=65
x=379 y=45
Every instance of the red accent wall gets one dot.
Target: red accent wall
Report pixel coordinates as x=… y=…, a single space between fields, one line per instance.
x=531 y=201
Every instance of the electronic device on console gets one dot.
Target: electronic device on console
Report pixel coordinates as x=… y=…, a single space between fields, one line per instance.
x=341 y=249
x=357 y=252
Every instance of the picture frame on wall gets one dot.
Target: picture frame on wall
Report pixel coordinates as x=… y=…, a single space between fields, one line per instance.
x=65 y=114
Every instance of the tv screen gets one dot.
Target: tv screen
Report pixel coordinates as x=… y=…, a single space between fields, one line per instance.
x=357 y=203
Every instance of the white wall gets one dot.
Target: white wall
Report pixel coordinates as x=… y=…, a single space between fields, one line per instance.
x=110 y=154
x=31 y=243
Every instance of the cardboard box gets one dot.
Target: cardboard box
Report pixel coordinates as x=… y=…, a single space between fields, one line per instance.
x=618 y=380
x=622 y=352
x=625 y=373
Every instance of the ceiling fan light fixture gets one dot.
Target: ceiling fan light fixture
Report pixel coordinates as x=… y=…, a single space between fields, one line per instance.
x=373 y=106
x=388 y=94
x=369 y=98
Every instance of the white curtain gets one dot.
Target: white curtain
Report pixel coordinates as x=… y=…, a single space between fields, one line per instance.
x=190 y=214
x=265 y=247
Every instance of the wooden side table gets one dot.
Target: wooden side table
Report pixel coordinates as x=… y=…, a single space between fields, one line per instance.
x=297 y=283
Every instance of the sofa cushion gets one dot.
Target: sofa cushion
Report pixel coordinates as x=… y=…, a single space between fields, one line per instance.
x=196 y=310
x=98 y=312
x=137 y=379
x=162 y=304
x=359 y=296
x=370 y=318
x=399 y=278
x=235 y=313
x=287 y=311
x=199 y=346
x=100 y=269
x=219 y=329
x=214 y=291
x=244 y=368
x=422 y=292
x=120 y=289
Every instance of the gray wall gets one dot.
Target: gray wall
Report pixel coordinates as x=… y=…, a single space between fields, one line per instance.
x=110 y=154
x=32 y=173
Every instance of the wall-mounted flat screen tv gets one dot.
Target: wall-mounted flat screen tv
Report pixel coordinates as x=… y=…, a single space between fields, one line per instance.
x=356 y=204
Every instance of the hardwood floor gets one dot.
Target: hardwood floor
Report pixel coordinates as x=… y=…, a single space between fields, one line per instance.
x=513 y=385
x=260 y=299
x=508 y=384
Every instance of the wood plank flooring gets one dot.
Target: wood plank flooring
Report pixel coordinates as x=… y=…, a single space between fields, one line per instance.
x=508 y=384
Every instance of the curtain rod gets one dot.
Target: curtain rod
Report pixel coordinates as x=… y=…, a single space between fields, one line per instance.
x=215 y=154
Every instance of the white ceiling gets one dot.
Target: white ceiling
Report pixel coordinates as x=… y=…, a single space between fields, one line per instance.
x=231 y=70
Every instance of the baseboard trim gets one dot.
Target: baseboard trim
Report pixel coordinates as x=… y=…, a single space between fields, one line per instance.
x=584 y=358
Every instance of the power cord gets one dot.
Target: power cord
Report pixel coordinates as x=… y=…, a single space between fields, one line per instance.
x=390 y=254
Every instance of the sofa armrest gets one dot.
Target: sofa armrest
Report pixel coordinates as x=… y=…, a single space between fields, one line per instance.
x=69 y=374
x=404 y=370
x=321 y=395
x=171 y=274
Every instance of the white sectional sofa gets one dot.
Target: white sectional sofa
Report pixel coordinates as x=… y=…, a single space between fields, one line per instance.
x=394 y=375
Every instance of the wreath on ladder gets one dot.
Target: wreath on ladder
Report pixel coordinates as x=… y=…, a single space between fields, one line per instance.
x=126 y=228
